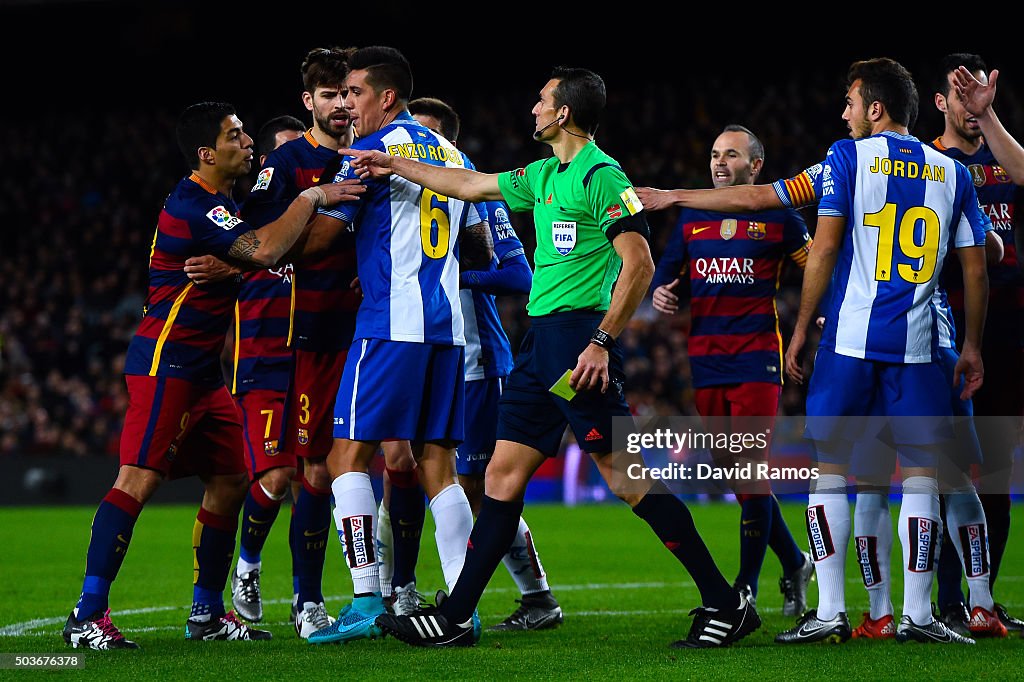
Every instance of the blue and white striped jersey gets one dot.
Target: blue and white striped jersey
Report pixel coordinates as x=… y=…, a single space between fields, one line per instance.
x=906 y=205
x=405 y=242
x=805 y=189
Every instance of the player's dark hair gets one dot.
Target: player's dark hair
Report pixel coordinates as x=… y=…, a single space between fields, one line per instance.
x=199 y=126
x=431 y=106
x=324 y=67
x=950 y=63
x=267 y=136
x=583 y=92
x=386 y=69
x=887 y=81
x=756 y=146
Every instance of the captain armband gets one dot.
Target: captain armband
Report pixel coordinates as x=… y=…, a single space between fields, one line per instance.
x=629 y=223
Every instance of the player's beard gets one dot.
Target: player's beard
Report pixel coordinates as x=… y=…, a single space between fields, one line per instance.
x=968 y=134
x=327 y=125
x=860 y=129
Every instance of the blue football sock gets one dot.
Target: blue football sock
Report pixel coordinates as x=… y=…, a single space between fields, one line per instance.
x=407 y=509
x=258 y=515
x=111 y=532
x=782 y=542
x=755 y=530
x=312 y=525
x=213 y=541
x=949 y=573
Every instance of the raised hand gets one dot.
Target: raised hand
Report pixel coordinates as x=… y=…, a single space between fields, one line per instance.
x=976 y=96
x=369 y=163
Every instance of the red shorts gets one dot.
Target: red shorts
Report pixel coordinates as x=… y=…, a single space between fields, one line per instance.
x=742 y=408
x=180 y=428
x=309 y=410
x=262 y=421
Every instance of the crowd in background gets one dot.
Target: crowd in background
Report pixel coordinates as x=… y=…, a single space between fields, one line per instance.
x=79 y=198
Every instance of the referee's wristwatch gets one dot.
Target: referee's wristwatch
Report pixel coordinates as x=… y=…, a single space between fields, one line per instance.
x=603 y=339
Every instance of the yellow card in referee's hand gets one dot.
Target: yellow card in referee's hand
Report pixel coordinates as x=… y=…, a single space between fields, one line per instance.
x=562 y=388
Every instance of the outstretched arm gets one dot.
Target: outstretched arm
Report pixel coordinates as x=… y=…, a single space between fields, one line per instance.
x=265 y=246
x=977 y=98
x=735 y=199
x=291 y=237
x=460 y=183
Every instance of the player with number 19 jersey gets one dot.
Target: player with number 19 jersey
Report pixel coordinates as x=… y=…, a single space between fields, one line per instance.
x=906 y=206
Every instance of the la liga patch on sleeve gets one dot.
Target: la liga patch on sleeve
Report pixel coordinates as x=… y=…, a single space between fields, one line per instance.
x=263 y=179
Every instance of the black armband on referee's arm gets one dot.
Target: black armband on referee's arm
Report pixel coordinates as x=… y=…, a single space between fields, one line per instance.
x=630 y=223
x=603 y=339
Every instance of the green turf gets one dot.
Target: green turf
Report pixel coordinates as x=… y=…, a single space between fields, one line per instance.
x=624 y=596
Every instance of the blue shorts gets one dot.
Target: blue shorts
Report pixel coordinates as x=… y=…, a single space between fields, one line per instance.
x=475 y=452
x=402 y=391
x=851 y=400
x=869 y=462
x=530 y=414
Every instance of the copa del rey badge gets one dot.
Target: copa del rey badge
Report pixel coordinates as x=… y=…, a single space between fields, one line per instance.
x=563 y=236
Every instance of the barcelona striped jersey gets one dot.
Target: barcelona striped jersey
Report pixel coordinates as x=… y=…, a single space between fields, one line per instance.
x=405 y=242
x=1000 y=199
x=906 y=206
x=183 y=326
x=733 y=262
x=308 y=305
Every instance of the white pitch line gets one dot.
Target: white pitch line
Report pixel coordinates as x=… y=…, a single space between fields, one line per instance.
x=27 y=627
x=30 y=626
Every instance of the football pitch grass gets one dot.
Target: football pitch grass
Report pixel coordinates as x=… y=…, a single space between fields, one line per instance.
x=625 y=599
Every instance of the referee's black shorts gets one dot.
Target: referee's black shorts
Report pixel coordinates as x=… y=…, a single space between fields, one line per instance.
x=530 y=414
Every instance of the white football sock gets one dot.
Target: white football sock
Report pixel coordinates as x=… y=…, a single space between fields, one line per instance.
x=385 y=555
x=828 y=532
x=244 y=566
x=453 y=522
x=523 y=564
x=355 y=514
x=872 y=530
x=968 y=530
x=920 y=527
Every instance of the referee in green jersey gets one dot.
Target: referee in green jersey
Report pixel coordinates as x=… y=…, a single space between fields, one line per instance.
x=592 y=268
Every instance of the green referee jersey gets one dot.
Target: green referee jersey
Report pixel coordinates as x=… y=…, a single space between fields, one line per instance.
x=573 y=205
